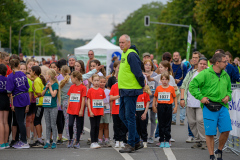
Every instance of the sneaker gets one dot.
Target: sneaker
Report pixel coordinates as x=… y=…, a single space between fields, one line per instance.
x=15 y=144
x=97 y=145
x=54 y=145
x=170 y=143
x=12 y=143
x=70 y=144
x=218 y=155
x=167 y=145
x=150 y=140
x=117 y=145
x=47 y=145
x=162 y=145
x=107 y=144
x=7 y=145
x=181 y=123
x=189 y=139
x=59 y=142
x=173 y=123
x=92 y=146
x=77 y=146
x=127 y=149
x=2 y=146
x=158 y=144
x=22 y=145
x=144 y=144
x=89 y=141
x=122 y=145
x=196 y=145
x=204 y=146
x=101 y=143
x=157 y=139
x=37 y=144
x=138 y=146
x=172 y=140
x=64 y=139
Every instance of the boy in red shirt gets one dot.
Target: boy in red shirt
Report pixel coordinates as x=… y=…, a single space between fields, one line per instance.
x=95 y=103
x=76 y=101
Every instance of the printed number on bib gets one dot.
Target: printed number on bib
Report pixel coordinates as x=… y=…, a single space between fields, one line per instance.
x=164 y=96
x=117 y=102
x=140 y=106
x=47 y=100
x=97 y=103
x=37 y=101
x=106 y=107
x=152 y=86
x=74 y=97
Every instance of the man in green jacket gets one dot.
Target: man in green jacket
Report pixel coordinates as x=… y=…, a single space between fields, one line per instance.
x=214 y=85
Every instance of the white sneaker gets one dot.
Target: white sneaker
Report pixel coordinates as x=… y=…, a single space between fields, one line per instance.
x=117 y=145
x=157 y=139
x=97 y=145
x=121 y=145
x=150 y=140
x=189 y=139
x=172 y=140
x=92 y=145
x=144 y=144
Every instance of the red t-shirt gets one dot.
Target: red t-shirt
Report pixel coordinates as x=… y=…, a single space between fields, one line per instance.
x=76 y=93
x=165 y=95
x=142 y=99
x=9 y=71
x=96 y=101
x=87 y=67
x=115 y=92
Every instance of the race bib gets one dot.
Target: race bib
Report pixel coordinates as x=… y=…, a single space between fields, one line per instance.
x=140 y=106
x=74 y=97
x=37 y=101
x=117 y=102
x=106 y=107
x=163 y=96
x=152 y=86
x=47 y=100
x=97 y=103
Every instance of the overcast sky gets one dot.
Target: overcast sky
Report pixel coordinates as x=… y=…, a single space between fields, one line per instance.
x=89 y=17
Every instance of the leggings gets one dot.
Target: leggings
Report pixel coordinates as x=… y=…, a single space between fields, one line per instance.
x=79 y=121
x=50 y=115
x=65 y=105
x=153 y=122
x=20 y=117
x=12 y=117
x=60 y=122
x=95 y=122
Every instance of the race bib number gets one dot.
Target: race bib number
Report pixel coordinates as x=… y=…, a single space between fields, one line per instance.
x=140 y=106
x=47 y=100
x=163 y=96
x=117 y=102
x=97 y=103
x=106 y=107
x=37 y=101
x=74 y=97
x=152 y=86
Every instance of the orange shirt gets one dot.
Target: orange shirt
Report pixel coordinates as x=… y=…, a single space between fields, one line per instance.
x=142 y=101
x=87 y=66
x=165 y=95
x=116 y=103
x=96 y=101
x=76 y=93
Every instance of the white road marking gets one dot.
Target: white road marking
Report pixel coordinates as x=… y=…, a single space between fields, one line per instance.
x=168 y=152
x=86 y=129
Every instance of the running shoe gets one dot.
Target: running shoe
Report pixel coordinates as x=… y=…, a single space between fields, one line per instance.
x=70 y=144
x=144 y=144
x=22 y=145
x=162 y=145
x=64 y=139
x=12 y=143
x=92 y=146
x=189 y=139
x=117 y=144
x=150 y=140
x=2 y=146
x=59 y=142
x=77 y=145
x=107 y=144
x=47 y=145
x=122 y=145
x=167 y=145
x=172 y=140
x=97 y=145
x=54 y=145
x=7 y=145
x=37 y=144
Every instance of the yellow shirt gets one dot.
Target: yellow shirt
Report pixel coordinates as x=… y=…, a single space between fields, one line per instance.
x=38 y=85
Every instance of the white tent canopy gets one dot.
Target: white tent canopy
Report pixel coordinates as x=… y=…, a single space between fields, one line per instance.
x=102 y=48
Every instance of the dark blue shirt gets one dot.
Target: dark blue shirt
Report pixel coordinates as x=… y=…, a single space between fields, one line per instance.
x=179 y=73
x=233 y=73
x=135 y=65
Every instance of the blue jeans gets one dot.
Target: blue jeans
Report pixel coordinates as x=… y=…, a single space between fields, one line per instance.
x=190 y=132
x=182 y=113
x=127 y=113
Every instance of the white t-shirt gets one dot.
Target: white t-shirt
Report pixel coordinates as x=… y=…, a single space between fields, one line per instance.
x=192 y=101
x=171 y=82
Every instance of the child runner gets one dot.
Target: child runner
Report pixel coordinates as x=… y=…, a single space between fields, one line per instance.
x=4 y=59
x=106 y=119
x=4 y=108
x=92 y=65
x=17 y=86
x=95 y=109
x=50 y=95
x=142 y=114
x=164 y=96
x=38 y=85
x=76 y=103
x=119 y=128
x=32 y=108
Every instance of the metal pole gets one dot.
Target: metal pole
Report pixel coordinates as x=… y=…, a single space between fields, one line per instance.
x=180 y=25
x=10 y=38
x=34 y=38
x=40 y=47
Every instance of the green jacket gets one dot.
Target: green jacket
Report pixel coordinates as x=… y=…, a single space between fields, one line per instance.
x=208 y=84
x=186 y=82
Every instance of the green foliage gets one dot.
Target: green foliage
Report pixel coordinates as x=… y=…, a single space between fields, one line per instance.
x=70 y=44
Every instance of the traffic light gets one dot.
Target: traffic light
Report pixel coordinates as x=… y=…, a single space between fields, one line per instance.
x=68 y=19
x=146 y=20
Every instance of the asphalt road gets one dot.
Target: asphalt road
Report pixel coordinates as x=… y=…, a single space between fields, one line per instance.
x=180 y=150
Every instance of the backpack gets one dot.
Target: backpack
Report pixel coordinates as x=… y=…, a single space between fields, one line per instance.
x=174 y=73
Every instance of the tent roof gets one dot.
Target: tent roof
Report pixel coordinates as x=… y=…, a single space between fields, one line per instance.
x=98 y=42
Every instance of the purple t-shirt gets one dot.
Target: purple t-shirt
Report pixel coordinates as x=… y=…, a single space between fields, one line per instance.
x=60 y=77
x=17 y=83
x=3 y=82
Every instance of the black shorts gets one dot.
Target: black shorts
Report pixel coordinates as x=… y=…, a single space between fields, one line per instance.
x=32 y=109
x=38 y=115
x=5 y=102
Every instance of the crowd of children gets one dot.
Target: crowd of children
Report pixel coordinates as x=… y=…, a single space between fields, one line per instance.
x=62 y=94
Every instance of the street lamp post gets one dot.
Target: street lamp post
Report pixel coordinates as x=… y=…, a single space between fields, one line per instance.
x=45 y=46
x=40 y=42
x=34 y=38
